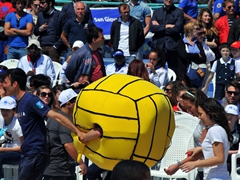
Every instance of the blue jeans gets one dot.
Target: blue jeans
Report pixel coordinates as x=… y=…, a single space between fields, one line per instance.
x=9 y=158
x=2 y=47
x=16 y=52
x=33 y=166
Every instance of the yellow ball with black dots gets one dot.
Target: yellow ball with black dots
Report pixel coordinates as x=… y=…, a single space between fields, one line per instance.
x=136 y=118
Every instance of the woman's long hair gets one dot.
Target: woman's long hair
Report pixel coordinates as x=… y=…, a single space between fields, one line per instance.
x=137 y=68
x=216 y=113
x=210 y=28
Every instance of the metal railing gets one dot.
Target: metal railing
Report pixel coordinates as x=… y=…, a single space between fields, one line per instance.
x=154 y=6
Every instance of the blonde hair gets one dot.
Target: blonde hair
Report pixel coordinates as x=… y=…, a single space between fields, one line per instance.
x=189 y=27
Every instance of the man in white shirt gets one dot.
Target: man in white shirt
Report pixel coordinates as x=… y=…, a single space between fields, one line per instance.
x=35 y=62
x=127 y=33
x=120 y=66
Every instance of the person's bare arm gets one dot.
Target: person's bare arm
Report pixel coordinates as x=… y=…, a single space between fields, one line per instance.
x=18 y=148
x=24 y=32
x=8 y=30
x=95 y=133
x=73 y=153
x=64 y=121
x=204 y=89
x=216 y=16
x=64 y=39
x=147 y=27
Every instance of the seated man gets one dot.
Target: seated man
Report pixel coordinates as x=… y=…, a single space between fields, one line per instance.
x=35 y=62
x=120 y=65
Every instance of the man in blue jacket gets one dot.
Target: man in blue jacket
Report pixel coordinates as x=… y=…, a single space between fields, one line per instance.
x=167 y=24
x=86 y=64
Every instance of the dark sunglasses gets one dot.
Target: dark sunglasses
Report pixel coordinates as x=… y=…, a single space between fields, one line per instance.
x=232 y=92
x=201 y=33
x=36 y=5
x=44 y=94
x=167 y=90
x=229 y=7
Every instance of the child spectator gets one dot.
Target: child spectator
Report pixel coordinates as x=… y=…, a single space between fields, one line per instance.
x=225 y=69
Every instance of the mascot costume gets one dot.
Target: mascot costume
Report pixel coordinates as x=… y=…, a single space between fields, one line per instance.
x=136 y=118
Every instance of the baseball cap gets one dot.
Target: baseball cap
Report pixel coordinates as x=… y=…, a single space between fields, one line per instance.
x=235 y=44
x=7 y=102
x=35 y=42
x=77 y=44
x=118 y=53
x=66 y=95
x=231 y=109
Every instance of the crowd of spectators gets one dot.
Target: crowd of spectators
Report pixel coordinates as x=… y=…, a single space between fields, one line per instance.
x=196 y=45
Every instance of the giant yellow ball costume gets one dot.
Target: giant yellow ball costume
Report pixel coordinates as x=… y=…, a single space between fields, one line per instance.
x=136 y=118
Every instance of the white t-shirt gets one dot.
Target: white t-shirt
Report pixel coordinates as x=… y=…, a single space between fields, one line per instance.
x=44 y=65
x=160 y=78
x=219 y=172
x=124 y=38
x=111 y=69
x=237 y=65
x=13 y=134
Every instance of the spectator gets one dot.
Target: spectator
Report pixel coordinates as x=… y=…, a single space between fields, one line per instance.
x=35 y=9
x=12 y=133
x=219 y=5
x=63 y=155
x=232 y=117
x=225 y=69
x=191 y=55
x=5 y=8
x=76 y=45
x=31 y=111
x=211 y=32
x=3 y=70
x=76 y=28
x=235 y=51
x=234 y=33
x=142 y=12
x=46 y=95
x=68 y=9
x=120 y=65
x=215 y=145
x=156 y=67
x=167 y=24
x=18 y=26
x=224 y=23
x=137 y=68
x=179 y=92
x=190 y=9
x=56 y=92
x=86 y=64
x=127 y=33
x=168 y=90
x=190 y=101
x=35 y=62
x=232 y=95
x=49 y=28
x=130 y=170
x=38 y=80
